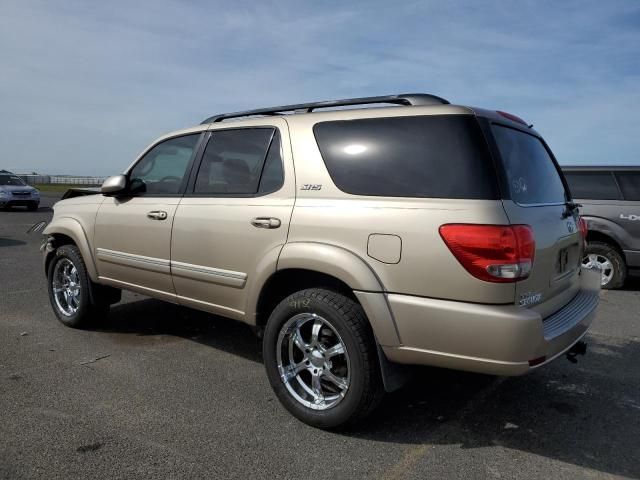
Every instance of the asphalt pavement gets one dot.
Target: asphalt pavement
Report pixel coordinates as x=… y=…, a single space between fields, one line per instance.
x=161 y=391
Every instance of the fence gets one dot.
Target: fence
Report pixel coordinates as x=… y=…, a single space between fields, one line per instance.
x=62 y=179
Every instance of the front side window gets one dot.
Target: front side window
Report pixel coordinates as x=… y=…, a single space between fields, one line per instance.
x=531 y=174
x=163 y=168
x=234 y=161
x=593 y=185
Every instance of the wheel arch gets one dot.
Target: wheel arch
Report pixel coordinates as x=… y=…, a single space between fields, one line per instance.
x=69 y=231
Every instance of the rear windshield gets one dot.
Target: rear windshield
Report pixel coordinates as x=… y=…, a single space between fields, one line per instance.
x=531 y=173
x=442 y=156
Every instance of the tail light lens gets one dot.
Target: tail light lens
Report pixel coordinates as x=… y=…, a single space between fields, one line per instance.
x=582 y=224
x=493 y=253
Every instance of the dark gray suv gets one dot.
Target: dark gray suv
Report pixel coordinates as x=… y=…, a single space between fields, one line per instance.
x=610 y=198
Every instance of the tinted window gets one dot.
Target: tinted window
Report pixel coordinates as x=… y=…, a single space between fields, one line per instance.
x=233 y=161
x=531 y=174
x=630 y=185
x=593 y=186
x=430 y=156
x=272 y=173
x=163 y=168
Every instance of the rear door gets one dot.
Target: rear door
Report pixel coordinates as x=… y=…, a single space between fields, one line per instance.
x=233 y=220
x=629 y=214
x=535 y=195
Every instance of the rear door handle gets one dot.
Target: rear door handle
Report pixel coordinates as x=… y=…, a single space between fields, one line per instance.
x=265 y=222
x=157 y=215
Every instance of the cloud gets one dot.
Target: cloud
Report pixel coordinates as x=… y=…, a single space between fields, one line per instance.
x=85 y=86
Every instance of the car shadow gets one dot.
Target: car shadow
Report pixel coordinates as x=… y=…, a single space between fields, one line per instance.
x=10 y=242
x=587 y=414
x=632 y=284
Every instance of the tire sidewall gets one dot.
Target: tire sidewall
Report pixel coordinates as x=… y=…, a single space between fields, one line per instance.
x=79 y=317
x=345 y=409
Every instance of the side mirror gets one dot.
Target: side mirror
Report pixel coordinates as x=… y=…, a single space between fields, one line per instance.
x=114 y=185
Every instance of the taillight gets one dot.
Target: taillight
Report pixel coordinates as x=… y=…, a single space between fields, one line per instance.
x=582 y=224
x=493 y=253
x=584 y=230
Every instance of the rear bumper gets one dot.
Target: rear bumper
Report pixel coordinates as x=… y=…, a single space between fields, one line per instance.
x=492 y=339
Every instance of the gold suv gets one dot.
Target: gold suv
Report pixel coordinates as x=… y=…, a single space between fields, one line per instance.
x=405 y=231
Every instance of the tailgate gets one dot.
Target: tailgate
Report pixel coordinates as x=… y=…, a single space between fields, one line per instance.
x=535 y=195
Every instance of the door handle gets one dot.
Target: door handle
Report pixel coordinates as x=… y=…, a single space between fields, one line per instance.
x=265 y=222
x=157 y=215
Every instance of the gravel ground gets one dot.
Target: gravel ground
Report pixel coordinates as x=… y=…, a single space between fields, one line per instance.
x=166 y=392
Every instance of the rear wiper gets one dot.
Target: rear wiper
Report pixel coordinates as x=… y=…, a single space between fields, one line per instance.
x=570 y=207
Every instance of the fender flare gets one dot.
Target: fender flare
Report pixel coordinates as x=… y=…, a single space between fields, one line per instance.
x=609 y=228
x=73 y=229
x=331 y=260
x=355 y=272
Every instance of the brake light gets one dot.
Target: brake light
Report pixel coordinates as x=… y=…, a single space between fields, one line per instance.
x=493 y=253
x=512 y=117
x=584 y=229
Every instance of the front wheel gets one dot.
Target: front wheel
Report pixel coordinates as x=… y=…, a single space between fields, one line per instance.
x=321 y=358
x=609 y=261
x=72 y=295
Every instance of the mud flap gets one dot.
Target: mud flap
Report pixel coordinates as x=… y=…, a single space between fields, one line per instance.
x=394 y=375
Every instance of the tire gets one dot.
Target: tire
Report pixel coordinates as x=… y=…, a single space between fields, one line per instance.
x=342 y=321
x=83 y=305
x=32 y=207
x=599 y=254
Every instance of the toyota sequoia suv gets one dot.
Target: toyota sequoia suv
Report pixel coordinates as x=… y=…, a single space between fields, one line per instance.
x=610 y=204
x=354 y=240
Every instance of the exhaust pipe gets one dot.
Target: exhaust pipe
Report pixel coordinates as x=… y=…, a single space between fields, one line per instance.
x=579 y=348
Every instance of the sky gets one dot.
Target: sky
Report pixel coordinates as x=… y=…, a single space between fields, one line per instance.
x=86 y=86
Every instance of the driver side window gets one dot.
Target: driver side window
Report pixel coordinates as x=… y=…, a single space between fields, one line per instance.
x=163 y=168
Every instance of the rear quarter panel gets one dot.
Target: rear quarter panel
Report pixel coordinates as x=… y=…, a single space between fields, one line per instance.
x=426 y=266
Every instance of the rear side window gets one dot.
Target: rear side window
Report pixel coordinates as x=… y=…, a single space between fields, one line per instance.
x=233 y=161
x=531 y=174
x=630 y=185
x=593 y=186
x=428 y=156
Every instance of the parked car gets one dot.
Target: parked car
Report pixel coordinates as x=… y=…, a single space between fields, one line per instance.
x=610 y=198
x=353 y=240
x=15 y=192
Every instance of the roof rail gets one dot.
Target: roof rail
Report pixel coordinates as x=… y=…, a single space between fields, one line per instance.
x=403 y=99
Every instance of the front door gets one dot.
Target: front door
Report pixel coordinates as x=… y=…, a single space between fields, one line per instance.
x=233 y=220
x=133 y=232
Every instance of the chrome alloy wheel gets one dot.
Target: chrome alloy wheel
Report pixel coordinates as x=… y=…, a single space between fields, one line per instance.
x=313 y=362
x=66 y=287
x=594 y=260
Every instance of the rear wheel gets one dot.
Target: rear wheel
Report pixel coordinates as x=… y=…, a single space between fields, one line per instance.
x=321 y=359
x=76 y=300
x=610 y=262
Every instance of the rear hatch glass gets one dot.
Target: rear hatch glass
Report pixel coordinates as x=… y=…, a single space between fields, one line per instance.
x=538 y=199
x=532 y=176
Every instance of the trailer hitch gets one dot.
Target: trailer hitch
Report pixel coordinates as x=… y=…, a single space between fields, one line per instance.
x=580 y=348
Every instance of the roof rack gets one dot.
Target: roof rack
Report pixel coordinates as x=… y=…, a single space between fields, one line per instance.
x=403 y=99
